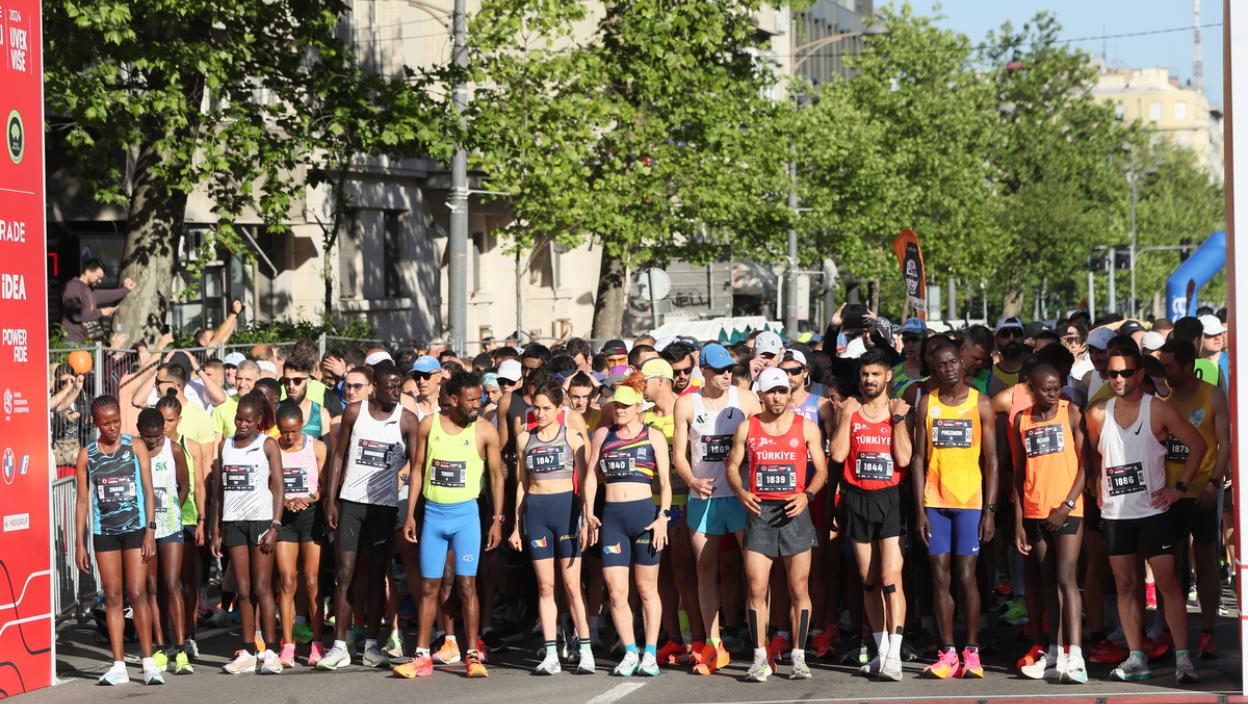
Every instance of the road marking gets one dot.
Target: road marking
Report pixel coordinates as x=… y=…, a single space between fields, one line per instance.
x=975 y=697
x=616 y=693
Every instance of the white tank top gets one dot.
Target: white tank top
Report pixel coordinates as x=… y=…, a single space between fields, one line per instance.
x=245 y=494
x=710 y=439
x=374 y=458
x=165 y=489
x=299 y=471
x=1133 y=464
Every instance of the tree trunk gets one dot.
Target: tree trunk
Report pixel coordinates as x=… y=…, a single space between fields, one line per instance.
x=1012 y=304
x=153 y=226
x=612 y=296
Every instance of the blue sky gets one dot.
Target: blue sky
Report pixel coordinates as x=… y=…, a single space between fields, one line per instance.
x=1094 y=18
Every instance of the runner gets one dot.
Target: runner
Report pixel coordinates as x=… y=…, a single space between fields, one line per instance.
x=302 y=533
x=681 y=358
x=874 y=445
x=170 y=485
x=1009 y=340
x=195 y=534
x=114 y=483
x=1130 y=468
x=705 y=423
x=910 y=371
x=361 y=505
x=1048 y=529
x=553 y=458
x=450 y=463
x=296 y=379
x=629 y=456
x=1196 y=514
x=955 y=500
x=247 y=516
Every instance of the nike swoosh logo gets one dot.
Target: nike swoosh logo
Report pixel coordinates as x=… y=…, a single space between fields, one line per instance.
x=1137 y=430
x=1166 y=547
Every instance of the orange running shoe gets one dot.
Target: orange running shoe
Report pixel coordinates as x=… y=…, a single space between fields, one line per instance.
x=673 y=653
x=695 y=651
x=712 y=659
x=416 y=667
x=448 y=654
x=1107 y=652
x=476 y=668
x=1031 y=657
x=776 y=650
x=485 y=653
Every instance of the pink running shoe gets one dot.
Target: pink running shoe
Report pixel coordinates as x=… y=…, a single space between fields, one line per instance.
x=318 y=652
x=946 y=666
x=287 y=656
x=971 y=667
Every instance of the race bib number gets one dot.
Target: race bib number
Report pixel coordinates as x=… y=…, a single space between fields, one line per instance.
x=294 y=480
x=236 y=478
x=542 y=460
x=1176 y=450
x=952 y=433
x=617 y=465
x=1044 y=440
x=873 y=466
x=775 y=478
x=1125 y=479
x=715 y=447
x=161 y=505
x=380 y=455
x=116 y=490
x=452 y=474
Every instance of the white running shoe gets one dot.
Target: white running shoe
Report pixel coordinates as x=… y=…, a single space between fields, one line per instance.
x=548 y=666
x=243 y=662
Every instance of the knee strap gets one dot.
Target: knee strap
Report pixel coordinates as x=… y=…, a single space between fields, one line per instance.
x=890 y=588
x=868 y=588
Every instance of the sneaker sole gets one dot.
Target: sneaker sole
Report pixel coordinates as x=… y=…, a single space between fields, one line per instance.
x=1138 y=677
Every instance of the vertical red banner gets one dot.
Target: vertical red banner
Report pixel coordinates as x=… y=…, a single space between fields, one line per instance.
x=26 y=619
x=910 y=259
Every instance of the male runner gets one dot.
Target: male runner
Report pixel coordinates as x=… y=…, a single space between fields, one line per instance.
x=873 y=443
x=1196 y=514
x=361 y=504
x=705 y=423
x=955 y=500
x=910 y=370
x=1127 y=437
x=681 y=359
x=452 y=454
x=1009 y=339
x=777 y=443
x=296 y=377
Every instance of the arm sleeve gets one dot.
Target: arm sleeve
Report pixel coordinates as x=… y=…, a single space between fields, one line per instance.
x=109 y=296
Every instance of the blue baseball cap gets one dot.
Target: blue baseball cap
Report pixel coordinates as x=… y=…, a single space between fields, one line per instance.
x=715 y=356
x=914 y=326
x=426 y=365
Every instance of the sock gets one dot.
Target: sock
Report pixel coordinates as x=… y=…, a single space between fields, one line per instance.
x=551 y=650
x=119 y=666
x=1181 y=654
x=1051 y=655
x=760 y=654
x=1074 y=653
x=894 y=645
x=797 y=653
x=421 y=652
x=1139 y=656
x=340 y=644
x=650 y=649
x=370 y=643
x=149 y=665
x=586 y=648
x=881 y=643
x=972 y=647
x=630 y=649
x=713 y=641
x=785 y=635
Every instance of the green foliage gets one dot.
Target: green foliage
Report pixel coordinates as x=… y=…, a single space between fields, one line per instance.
x=281 y=331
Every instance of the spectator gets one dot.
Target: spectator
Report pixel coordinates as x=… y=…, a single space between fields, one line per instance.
x=66 y=407
x=207 y=337
x=81 y=303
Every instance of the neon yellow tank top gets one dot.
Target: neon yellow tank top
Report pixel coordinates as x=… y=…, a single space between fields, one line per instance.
x=454 y=470
x=1197 y=410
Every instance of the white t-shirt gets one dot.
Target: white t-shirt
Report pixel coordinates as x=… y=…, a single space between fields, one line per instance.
x=195 y=393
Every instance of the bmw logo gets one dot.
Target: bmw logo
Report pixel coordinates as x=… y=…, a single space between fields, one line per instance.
x=10 y=465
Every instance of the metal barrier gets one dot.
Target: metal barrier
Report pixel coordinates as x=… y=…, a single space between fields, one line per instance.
x=74 y=592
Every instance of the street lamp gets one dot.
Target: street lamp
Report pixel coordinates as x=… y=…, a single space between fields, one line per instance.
x=800 y=54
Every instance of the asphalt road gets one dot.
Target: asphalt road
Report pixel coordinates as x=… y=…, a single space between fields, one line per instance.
x=80 y=661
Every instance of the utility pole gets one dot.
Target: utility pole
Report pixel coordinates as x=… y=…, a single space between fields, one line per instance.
x=790 y=271
x=1135 y=195
x=457 y=246
x=1091 y=290
x=1113 y=294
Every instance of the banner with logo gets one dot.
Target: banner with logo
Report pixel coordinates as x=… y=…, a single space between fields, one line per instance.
x=26 y=619
x=910 y=259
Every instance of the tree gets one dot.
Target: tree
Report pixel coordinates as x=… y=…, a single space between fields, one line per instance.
x=153 y=100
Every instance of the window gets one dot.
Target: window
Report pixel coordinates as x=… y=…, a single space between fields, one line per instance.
x=1119 y=111
x=1180 y=110
x=350 y=264
x=480 y=245
x=392 y=253
x=1154 y=111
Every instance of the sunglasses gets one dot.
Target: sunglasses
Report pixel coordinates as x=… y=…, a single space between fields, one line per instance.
x=1010 y=332
x=1120 y=373
x=294 y=380
x=506 y=382
x=1072 y=339
x=794 y=371
x=354 y=387
x=682 y=372
x=422 y=376
x=165 y=381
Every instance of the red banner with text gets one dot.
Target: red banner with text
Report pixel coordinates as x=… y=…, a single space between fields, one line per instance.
x=910 y=259
x=26 y=578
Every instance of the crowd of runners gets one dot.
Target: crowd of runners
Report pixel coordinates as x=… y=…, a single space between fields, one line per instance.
x=877 y=494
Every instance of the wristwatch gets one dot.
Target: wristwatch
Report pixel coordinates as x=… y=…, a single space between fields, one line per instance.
x=275 y=525
x=1069 y=504
x=499 y=518
x=151 y=525
x=666 y=513
x=809 y=497
x=1181 y=486
x=991 y=507
x=898 y=418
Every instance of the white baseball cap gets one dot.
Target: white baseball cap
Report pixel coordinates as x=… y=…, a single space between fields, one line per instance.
x=1152 y=341
x=267 y=366
x=376 y=358
x=510 y=370
x=1100 y=337
x=767 y=342
x=1211 y=324
x=855 y=349
x=772 y=378
x=796 y=356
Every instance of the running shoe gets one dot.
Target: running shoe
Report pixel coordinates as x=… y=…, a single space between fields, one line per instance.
x=1036 y=652
x=1004 y=589
x=1038 y=668
x=1075 y=672
x=334 y=659
x=1133 y=669
x=394 y=644
x=946 y=665
x=1185 y=671
x=272 y=664
x=287 y=656
x=1157 y=648
x=373 y=657
x=673 y=653
x=243 y=662
x=858 y=653
x=1208 y=648
x=302 y=633
x=160 y=659
x=649 y=666
x=872 y=668
x=493 y=642
x=801 y=671
x=891 y=669
x=1107 y=652
x=712 y=659
x=586 y=666
x=153 y=677
x=416 y=667
x=1015 y=613
x=627 y=666
x=1150 y=595
x=777 y=649
x=192 y=648
x=823 y=644
x=182 y=664
x=115 y=676
x=485 y=653
x=318 y=652
x=971 y=666
x=548 y=666
x=759 y=671
x=476 y=664
x=448 y=654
